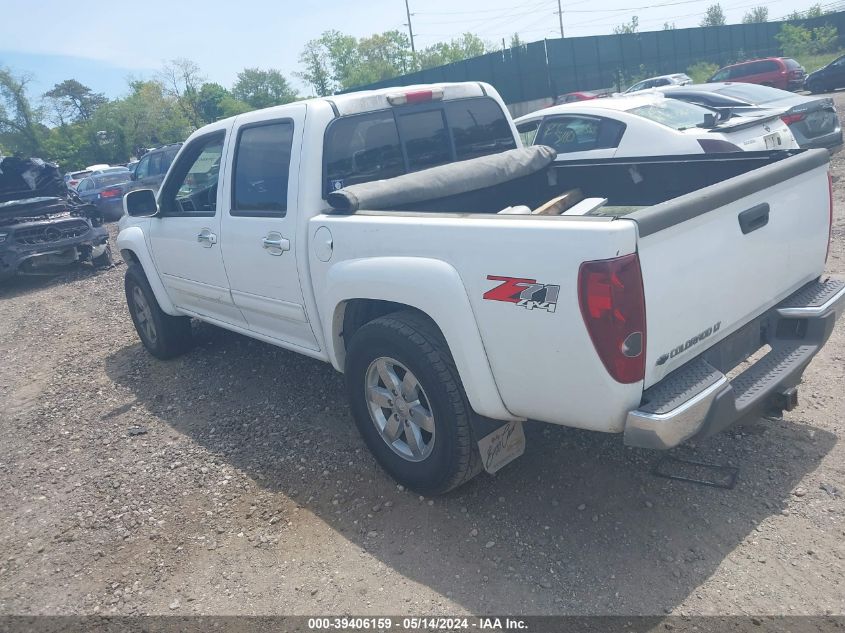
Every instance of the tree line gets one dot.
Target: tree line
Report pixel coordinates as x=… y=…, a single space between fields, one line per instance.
x=76 y=126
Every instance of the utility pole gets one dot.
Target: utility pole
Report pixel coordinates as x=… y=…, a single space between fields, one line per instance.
x=559 y=16
x=411 y=30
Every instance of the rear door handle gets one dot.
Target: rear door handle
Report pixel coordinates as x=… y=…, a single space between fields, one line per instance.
x=275 y=244
x=754 y=218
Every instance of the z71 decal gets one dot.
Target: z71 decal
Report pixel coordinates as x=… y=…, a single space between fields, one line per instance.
x=525 y=293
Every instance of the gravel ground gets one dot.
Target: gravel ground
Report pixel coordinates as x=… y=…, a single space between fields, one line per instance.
x=232 y=481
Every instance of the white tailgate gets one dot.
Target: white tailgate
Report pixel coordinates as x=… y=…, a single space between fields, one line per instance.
x=704 y=278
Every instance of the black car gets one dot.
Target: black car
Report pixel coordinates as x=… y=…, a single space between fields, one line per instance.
x=812 y=120
x=828 y=77
x=151 y=168
x=43 y=224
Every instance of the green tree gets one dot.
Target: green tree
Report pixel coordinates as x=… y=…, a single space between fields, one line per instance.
x=714 y=16
x=756 y=15
x=21 y=127
x=628 y=27
x=182 y=79
x=316 y=72
x=73 y=101
x=263 y=88
x=381 y=56
x=210 y=101
x=796 y=40
x=814 y=11
x=464 y=47
x=515 y=41
x=668 y=26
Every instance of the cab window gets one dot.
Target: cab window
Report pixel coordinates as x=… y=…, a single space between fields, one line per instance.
x=262 y=164
x=191 y=188
x=384 y=144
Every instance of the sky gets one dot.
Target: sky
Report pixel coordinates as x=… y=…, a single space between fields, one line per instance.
x=106 y=43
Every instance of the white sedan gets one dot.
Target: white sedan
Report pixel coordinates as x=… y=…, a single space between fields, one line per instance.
x=648 y=125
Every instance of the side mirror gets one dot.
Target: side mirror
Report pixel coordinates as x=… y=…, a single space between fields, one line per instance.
x=140 y=203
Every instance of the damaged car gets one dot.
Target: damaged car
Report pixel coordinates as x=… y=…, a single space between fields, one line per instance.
x=43 y=224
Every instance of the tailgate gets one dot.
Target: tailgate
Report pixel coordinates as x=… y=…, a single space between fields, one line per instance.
x=714 y=259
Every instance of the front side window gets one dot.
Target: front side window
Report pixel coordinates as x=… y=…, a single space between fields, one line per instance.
x=262 y=165
x=143 y=168
x=85 y=185
x=722 y=75
x=579 y=133
x=191 y=188
x=155 y=164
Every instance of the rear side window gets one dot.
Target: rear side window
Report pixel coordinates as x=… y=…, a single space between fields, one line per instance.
x=388 y=143
x=169 y=155
x=768 y=67
x=262 y=166
x=155 y=164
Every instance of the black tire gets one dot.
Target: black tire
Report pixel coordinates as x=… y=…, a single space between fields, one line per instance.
x=415 y=342
x=105 y=260
x=170 y=336
x=815 y=87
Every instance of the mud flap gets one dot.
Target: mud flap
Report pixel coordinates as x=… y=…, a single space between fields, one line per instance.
x=500 y=443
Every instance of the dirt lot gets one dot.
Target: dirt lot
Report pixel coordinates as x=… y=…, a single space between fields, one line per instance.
x=232 y=481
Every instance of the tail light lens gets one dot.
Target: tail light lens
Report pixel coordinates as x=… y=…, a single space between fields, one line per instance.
x=610 y=292
x=789 y=119
x=716 y=146
x=111 y=192
x=830 y=215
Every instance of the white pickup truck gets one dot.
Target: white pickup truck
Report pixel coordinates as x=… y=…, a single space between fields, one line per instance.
x=407 y=238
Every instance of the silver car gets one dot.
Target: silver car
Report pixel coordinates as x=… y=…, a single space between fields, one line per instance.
x=812 y=120
x=676 y=79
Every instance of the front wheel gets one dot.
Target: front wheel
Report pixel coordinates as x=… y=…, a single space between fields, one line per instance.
x=409 y=404
x=815 y=87
x=163 y=335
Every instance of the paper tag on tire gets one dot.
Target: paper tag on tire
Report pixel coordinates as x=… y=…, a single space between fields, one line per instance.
x=502 y=446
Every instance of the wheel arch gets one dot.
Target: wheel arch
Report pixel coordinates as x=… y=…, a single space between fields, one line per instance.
x=133 y=250
x=362 y=290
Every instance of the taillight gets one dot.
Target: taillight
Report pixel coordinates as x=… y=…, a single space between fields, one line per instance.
x=111 y=192
x=830 y=215
x=610 y=292
x=789 y=119
x=415 y=96
x=716 y=146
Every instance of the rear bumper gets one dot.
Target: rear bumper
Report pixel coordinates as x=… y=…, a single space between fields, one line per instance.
x=699 y=400
x=831 y=141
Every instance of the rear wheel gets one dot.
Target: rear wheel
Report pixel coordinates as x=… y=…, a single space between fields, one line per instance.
x=409 y=404
x=163 y=335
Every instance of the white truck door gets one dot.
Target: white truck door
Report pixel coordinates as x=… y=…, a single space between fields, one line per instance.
x=258 y=232
x=184 y=237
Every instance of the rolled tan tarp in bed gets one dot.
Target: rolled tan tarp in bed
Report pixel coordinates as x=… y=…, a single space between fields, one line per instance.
x=442 y=181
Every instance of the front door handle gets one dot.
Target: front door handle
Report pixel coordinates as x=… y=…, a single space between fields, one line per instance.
x=206 y=238
x=275 y=244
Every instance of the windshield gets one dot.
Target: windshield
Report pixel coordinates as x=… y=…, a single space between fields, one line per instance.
x=753 y=93
x=678 y=115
